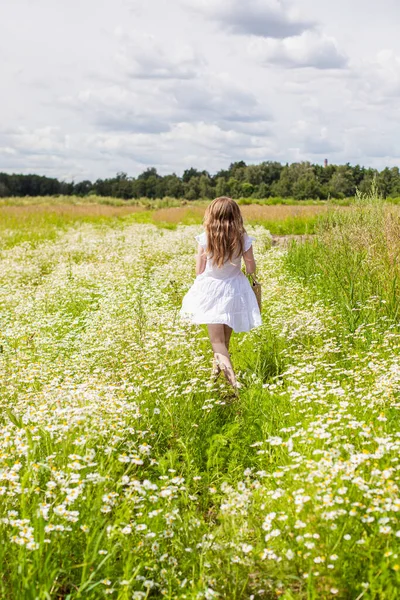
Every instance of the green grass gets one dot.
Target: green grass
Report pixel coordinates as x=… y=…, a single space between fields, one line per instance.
x=127 y=472
x=354 y=261
x=290 y=226
x=38 y=227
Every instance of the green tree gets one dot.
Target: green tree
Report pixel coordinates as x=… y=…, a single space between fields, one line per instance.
x=189 y=173
x=222 y=187
x=237 y=170
x=246 y=189
x=234 y=188
x=306 y=187
x=283 y=187
x=103 y=187
x=395 y=187
x=139 y=188
x=366 y=183
x=206 y=189
x=173 y=186
x=262 y=191
x=384 y=181
x=122 y=186
x=192 y=188
x=150 y=172
x=269 y=172
x=83 y=188
x=4 y=191
x=254 y=175
x=342 y=183
x=152 y=186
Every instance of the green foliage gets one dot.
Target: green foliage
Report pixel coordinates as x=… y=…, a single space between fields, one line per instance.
x=300 y=181
x=354 y=259
x=128 y=472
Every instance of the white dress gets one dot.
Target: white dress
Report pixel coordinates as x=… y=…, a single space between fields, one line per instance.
x=222 y=294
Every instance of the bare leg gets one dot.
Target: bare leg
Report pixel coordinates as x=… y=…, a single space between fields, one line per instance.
x=221 y=354
x=228 y=332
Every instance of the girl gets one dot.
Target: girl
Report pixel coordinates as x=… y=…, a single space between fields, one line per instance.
x=221 y=295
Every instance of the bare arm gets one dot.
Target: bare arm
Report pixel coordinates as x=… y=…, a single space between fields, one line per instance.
x=249 y=261
x=201 y=259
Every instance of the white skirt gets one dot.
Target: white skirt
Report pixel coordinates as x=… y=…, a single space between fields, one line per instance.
x=227 y=301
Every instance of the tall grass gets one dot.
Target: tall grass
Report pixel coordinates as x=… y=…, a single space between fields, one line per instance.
x=126 y=471
x=353 y=260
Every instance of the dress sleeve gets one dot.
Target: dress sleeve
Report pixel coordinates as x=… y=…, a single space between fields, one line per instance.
x=248 y=240
x=201 y=239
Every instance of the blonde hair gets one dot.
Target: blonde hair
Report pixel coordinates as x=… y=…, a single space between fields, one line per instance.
x=225 y=231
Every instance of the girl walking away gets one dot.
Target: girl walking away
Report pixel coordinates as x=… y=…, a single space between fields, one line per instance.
x=221 y=296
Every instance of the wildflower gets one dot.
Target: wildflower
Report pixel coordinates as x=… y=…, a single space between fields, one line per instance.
x=385 y=529
x=126 y=530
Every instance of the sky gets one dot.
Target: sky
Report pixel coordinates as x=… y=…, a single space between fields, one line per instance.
x=90 y=88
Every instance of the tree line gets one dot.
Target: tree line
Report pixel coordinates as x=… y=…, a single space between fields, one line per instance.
x=300 y=181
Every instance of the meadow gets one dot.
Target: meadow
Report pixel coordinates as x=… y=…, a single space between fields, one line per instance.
x=127 y=472
x=25 y=218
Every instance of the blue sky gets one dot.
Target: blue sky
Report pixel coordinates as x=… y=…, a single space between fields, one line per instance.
x=92 y=88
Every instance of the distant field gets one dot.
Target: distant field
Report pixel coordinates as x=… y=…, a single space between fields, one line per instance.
x=153 y=203
x=279 y=219
x=35 y=220
x=41 y=218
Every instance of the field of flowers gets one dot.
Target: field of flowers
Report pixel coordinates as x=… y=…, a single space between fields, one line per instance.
x=125 y=471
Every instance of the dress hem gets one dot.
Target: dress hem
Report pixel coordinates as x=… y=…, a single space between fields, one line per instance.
x=219 y=321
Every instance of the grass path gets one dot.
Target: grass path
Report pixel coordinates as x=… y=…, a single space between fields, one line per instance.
x=125 y=472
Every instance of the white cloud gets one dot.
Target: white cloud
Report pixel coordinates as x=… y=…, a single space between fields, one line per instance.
x=170 y=87
x=377 y=81
x=220 y=99
x=119 y=108
x=181 y=145
x=46 y=140
x=310 y=49
x=209 y=136
x=314 y=138
x=142 y=56
x=154 y=108
x=266 y=18
x=369 y=142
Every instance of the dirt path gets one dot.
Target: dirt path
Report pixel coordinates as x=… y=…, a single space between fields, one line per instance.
x=284 y=240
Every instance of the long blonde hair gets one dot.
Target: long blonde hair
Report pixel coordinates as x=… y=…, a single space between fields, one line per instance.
x=225 y=231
